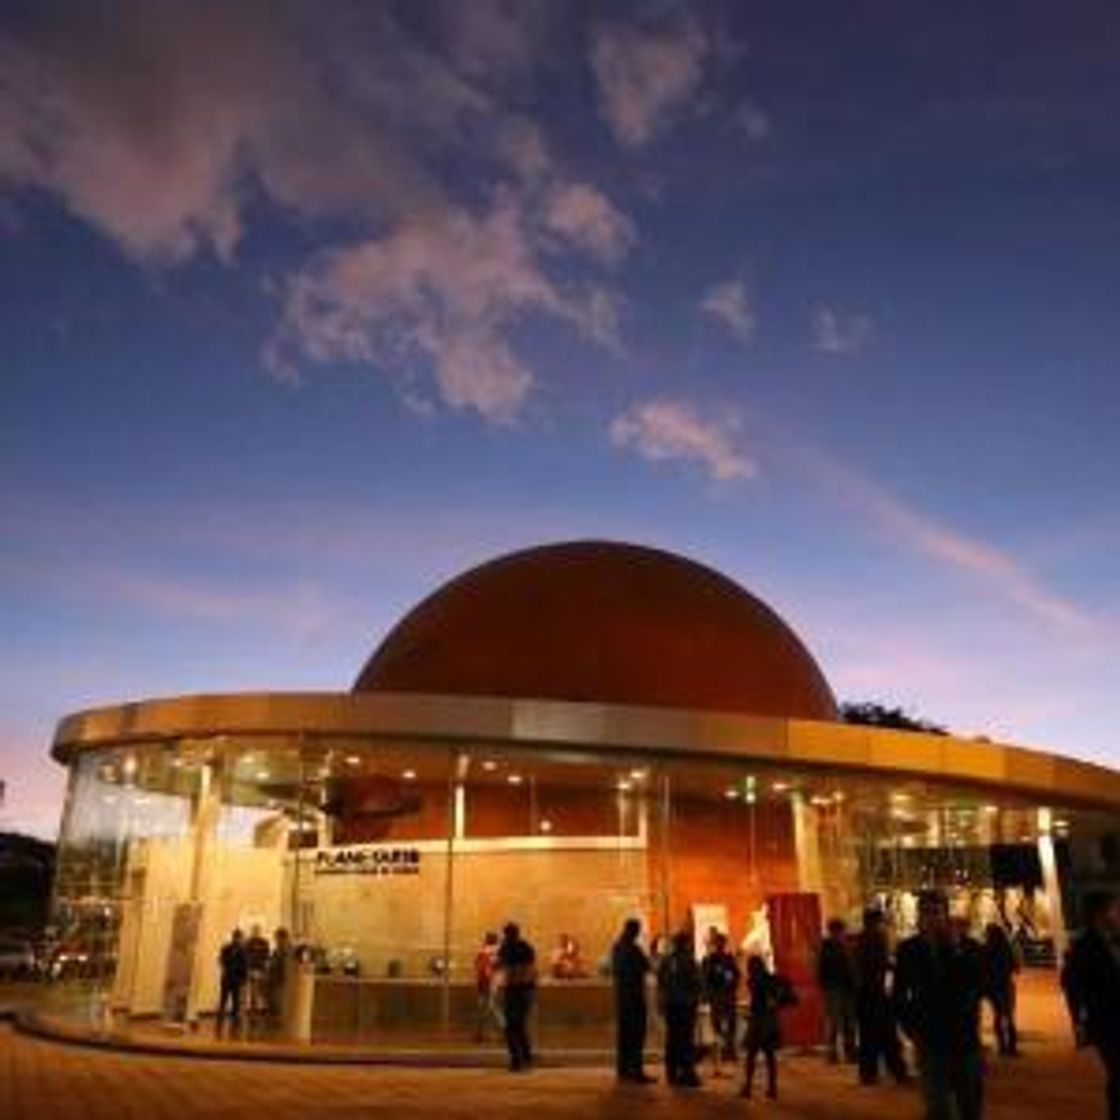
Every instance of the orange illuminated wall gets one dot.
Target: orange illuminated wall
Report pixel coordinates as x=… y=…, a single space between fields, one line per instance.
x=712 y=858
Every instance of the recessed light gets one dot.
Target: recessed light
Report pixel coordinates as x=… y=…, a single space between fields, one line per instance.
x=409 y=775
x=731 y=793
x=514 y=779
x=546 y=826
x=780 y=787
x=623 y=785
x=489 y=765
x=263 y=775
x=638 y=775
x=352 y=760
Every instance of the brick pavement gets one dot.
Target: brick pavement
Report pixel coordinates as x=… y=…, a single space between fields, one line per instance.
x=43 y=1080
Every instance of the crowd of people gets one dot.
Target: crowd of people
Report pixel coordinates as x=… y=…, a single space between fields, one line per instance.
x=253 y=963
x=930 y=991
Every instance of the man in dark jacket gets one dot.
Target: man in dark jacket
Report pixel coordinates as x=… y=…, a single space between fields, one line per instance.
x=720 y=975
x=1092 y=983
x=678 y=990
x=629 y=967
x=938 y=982
x=836 y=975
x=517 y=961
x=233 y=962
x=878 y=1035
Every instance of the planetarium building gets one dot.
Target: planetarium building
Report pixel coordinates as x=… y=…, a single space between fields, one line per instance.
x=566 y=737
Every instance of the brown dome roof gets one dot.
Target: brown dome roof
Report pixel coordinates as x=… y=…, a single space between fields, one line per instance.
x=602 y=622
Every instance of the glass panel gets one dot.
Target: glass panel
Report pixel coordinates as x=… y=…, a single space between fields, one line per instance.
x=557 y=842
x=121 y=874
x=370 y=884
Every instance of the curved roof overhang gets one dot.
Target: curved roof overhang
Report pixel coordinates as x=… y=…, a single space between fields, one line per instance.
x=669 y=731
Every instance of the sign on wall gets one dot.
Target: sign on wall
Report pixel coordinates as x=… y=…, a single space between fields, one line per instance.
x=367 y=859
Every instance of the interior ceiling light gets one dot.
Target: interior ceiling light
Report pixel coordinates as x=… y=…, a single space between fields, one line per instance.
x=514 y=779
x=409 y=775
x=489 y=765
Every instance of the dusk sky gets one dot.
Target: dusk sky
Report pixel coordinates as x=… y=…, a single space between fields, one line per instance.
x=307 y=306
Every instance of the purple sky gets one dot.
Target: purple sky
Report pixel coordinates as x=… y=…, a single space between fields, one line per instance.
x=305 y=307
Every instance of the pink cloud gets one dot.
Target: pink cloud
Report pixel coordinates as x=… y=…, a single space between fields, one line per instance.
x=728 y=304
x=645 y=76
x=584 y=217
x=664 y=430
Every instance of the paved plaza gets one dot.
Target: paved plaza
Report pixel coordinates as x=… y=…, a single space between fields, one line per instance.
x=46 y=1080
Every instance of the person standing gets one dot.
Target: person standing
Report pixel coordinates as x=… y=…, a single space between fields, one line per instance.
x=720 y=973
x=486 y=987
x=234 y=966
x=878 y=1034
x=937 y=987
x=517 y=960
x=629 y=968
x=766 y=995
x=256 y=955
x=836 y=975
x=1091 y=980
x=279 y=970
x=1000 y=965
x=678 y=990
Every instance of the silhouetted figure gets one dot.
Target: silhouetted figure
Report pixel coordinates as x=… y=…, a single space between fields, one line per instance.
x=629 y=968
x=766 y=995
x=517 y=960
x=234 y=965
x=836 y=974
x=1092 y=982
x=257 y=952
x=486 y=976
x=280 y=965
x=1000 y=965
x=720 y=974
x=678 y=990
x=878 y=1034
x=937 y=985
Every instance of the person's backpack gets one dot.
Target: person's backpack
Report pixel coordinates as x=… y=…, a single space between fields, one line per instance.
x=784 y=995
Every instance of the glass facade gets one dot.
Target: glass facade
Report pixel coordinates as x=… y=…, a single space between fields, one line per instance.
x=388 y=861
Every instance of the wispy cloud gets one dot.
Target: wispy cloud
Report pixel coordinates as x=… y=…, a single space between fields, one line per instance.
x=729 y=305
x=447 y=290
x=665 y=430
x=838 y=332
x=583 y=217
x=162 y=126
x=917 y=532
x=646 y=76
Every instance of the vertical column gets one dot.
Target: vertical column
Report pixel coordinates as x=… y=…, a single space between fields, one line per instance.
x=807 y=844
x=457 y=771
x=1050 y=881
x=189 y=917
